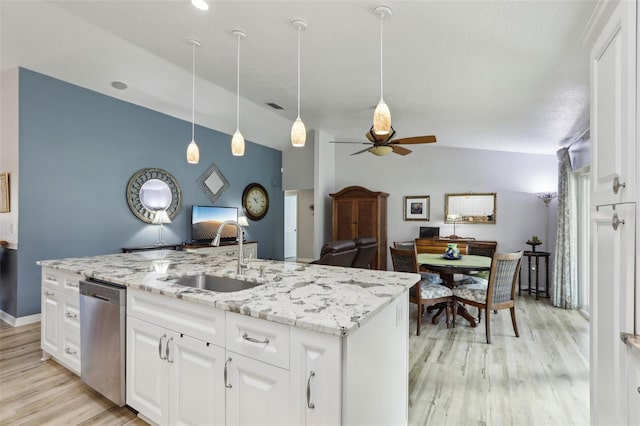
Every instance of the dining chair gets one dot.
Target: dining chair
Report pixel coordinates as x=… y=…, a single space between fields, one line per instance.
x=500 y=292
x=428 y=291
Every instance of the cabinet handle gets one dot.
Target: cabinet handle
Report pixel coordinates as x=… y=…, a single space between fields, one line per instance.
x=48 y=293
x=169 y=360
x=72 y=284
x=310 y=404
x=615 y=222
x=252 y=340
x=226 y=363
x=160 y=346
x=70 y=315
x=617 y=185
x=69 y=351
x=50 y=278
x=638 y=389
x=230 y=253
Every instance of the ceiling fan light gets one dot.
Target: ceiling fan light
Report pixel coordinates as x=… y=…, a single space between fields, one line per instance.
x=237 y=144
x=193 y=153
x=381 y=150
x=298 y=133
x=382 y=119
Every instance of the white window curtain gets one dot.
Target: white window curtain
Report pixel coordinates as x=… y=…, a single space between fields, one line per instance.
x=565 y=270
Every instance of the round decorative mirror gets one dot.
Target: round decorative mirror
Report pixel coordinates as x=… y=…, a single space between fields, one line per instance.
x=150 y=190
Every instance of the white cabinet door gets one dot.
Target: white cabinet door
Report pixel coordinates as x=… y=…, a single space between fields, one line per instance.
x=633 y=390
x=196 y=385
x=147 y=370
x=315 y=378
x=257 y=393
x=613 y=109
x=612 y=275
x=50 y=321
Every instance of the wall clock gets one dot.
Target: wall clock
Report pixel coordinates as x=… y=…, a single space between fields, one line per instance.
x=255 y=201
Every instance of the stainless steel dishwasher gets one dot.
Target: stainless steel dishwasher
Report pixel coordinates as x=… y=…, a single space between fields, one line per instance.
x=102 y=338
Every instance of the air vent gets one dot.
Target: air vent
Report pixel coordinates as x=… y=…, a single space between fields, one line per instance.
x=274 y=105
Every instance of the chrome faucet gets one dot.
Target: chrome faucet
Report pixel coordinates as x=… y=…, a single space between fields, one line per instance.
x=242 y=265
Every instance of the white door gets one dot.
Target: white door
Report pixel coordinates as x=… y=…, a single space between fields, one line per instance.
x=613 y=110
x=612 y=288
x=290 y=225
x=633 y=386
x=315 y=378
x=147 y=370
x=50 y=321
x=196 y=389
x=257 y=392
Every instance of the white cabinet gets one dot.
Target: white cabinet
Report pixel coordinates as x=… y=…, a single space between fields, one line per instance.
x=315 y=378
x=257 y=392
x=612 y=293
x=613 y=108
x=60 y=317
x=633 y=385
x=262 y=372
x=173 y=378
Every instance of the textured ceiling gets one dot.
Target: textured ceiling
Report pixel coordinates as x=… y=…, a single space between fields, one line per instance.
x=497 y=75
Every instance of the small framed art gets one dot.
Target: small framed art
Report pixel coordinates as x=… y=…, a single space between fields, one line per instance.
x=416 y=207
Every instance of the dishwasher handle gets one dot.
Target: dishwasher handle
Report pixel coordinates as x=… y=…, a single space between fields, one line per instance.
x=115 y=295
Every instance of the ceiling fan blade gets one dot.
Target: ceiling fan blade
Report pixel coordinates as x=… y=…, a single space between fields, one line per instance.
x=415 y=140
x=361 y=151
x=360 y=143
x=400 y=150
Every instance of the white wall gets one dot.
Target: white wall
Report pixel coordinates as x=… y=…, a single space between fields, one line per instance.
x=324 y=184
x=434 y=171
x=9 y=151
x=298 y=166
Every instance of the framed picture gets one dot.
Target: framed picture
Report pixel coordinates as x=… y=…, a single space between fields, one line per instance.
x=4 y=193
x=416 y=207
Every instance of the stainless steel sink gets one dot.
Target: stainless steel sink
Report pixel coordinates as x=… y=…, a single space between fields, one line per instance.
x=213 y=283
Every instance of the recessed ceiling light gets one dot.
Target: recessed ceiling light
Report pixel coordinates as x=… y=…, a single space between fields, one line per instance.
x=120 y=85
x=200 y=4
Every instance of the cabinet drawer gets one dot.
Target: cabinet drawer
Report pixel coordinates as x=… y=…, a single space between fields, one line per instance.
x=52 y=278
x=199 y=321
x=259 y=339
x=71 y=313
x=71 y=283
x=70 y=351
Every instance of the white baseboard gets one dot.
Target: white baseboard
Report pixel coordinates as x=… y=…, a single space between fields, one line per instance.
x=17 y=322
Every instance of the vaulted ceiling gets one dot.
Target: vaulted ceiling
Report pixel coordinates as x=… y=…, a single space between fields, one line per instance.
x=497 y=75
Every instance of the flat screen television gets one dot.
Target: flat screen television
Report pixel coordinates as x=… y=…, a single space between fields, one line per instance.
x=205 y=221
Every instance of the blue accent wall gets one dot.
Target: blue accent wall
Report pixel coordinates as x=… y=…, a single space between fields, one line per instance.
x=78 y=149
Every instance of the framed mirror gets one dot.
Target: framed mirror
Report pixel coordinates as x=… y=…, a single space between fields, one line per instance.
x=150 y=190
x=213 y=183
x=470 y=208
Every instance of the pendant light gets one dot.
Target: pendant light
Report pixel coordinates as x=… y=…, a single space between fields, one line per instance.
x=298 y=130
x=382 y=115
x=193 y=153
x=237 y=142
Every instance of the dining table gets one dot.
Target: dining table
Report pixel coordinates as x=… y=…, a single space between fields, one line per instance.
x=447 y=268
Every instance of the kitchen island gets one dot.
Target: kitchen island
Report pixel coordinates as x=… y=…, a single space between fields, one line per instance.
x=310 y=344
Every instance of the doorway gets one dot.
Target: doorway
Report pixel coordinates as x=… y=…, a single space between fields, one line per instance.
x=290 y=225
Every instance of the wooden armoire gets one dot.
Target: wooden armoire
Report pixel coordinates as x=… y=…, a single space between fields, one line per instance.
x=358 y=212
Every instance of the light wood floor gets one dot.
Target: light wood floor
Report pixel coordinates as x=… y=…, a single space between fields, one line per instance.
x=541 y=378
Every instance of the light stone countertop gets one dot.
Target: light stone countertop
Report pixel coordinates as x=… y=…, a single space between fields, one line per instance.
x=327 y=299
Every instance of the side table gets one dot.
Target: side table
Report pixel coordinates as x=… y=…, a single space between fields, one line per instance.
x=537 y=255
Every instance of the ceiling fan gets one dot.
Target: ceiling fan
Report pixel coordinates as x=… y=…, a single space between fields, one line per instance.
x=385 y=144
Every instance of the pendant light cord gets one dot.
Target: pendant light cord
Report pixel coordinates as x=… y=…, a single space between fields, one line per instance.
x=238 y=89
x=381 y=62
x=193 y=94
x=299 y=32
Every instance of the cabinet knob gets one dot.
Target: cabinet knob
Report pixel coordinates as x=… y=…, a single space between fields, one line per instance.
x=615 y=222
x=617 y=185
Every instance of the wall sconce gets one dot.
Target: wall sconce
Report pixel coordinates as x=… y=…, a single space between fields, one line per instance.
x=160 y=218
x=546 y=197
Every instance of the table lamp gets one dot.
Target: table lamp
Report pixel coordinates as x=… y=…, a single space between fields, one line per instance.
x=161 y=218
x=454 y=218
x=242 y=221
